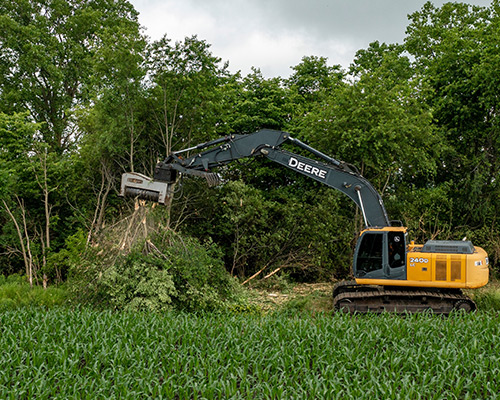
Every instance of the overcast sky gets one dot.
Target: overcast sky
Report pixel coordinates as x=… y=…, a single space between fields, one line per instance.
x=274 y=35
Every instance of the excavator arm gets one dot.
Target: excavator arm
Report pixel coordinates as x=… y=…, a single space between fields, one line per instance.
x=266 y=143
x=390 y=273
x=348 y=182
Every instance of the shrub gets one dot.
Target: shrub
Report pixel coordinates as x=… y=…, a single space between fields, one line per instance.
x=60 y=262
x=16 y=278
x=138 y=282
x=166 y=271
x=7 y=304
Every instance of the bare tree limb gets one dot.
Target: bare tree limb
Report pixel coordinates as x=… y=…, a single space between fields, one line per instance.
x=20 y=236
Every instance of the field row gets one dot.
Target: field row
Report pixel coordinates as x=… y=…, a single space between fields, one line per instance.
x=56 y=353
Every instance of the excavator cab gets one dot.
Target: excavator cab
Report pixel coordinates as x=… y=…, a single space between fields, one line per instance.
x=381 y=254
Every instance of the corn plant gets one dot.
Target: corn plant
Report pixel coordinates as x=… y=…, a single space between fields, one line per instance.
x=84 y=354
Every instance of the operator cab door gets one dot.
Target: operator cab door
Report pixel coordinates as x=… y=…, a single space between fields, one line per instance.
x=380 y=255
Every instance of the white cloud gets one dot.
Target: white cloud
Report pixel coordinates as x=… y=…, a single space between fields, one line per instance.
x=274 y=35
x=173 y=19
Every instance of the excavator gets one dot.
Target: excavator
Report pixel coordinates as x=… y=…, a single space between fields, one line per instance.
x=391 y=273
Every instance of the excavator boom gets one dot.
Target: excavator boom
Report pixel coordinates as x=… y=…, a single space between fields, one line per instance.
x=264 y=143
x=390 y=273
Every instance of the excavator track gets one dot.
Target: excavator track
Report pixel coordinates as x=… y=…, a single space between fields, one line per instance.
x=350 y=297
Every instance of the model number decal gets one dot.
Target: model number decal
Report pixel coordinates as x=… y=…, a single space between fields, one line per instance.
x=419 y=260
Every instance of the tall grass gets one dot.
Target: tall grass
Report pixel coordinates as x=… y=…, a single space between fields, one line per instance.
x=83 y=354
x=15 y=292
x=488 y=297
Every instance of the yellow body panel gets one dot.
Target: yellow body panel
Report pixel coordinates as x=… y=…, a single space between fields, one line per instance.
x=464 y=271
x=441 y=270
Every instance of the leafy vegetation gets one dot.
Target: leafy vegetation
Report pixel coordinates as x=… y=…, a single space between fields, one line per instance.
x=163 y=272
x=189 y=356
x=86 y=96
x=15 y=292
x=488 y=297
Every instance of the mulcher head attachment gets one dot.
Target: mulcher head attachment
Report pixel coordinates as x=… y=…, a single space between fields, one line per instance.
x=143 y=187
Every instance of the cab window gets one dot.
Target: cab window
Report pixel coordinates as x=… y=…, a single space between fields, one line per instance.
x=370 y=253
x=396 y=243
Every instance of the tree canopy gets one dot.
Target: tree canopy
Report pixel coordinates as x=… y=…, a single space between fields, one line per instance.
x=85 y=96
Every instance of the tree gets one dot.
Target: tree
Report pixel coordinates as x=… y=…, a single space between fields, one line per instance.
x=378 y=122
x=53 y=63
x=48 y=58
x=113 y=125
x=313 y=77
x=455 y=48
x=184 y=96
x=181 y=102
x=16 y=140
x=256 y=102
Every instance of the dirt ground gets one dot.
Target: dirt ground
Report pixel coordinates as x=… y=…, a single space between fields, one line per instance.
x=317 y=297
x=300 y=296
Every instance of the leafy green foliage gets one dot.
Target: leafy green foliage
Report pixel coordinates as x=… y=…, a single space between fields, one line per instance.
x=377 y=123
x=255 y=102
x=488 y=300
x=224 y=355
x=166 y=271
x=35 y=186
x=453 y=51
x=16 y=139
x=138 y=283
x=264 y=222
x=52 y=61
x=86 y=96
x=48 y=56
x=59 y=263
x=313 y=79
x=185 y=98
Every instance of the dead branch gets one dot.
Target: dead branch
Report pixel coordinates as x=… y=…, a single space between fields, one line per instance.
x=30 y=256
x=23 y=235
x=20 y=236
x=254 y=275
x=272 y=273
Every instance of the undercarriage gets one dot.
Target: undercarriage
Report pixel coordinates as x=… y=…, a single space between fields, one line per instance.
x=348 y=296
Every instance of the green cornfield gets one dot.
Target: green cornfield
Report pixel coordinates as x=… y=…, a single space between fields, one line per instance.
x=85 y=354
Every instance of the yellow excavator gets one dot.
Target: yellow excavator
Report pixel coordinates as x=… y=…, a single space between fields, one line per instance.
x=391 y=272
